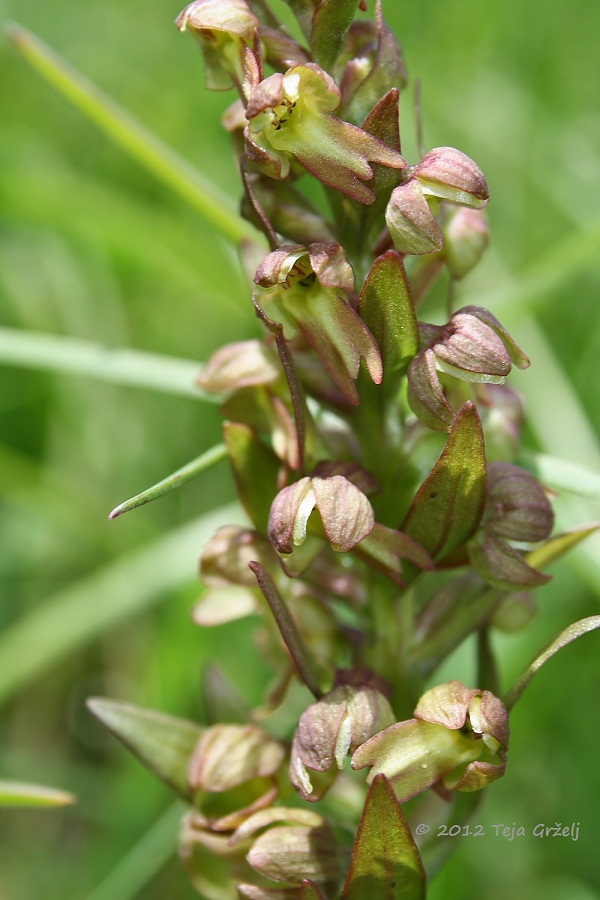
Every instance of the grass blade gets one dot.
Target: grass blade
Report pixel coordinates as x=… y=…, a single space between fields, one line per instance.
x=18 y=794
x=194 y=468
x=145 y=859
x=562 y=474
x=70 y=355
x=98 y=602
x=140 y=143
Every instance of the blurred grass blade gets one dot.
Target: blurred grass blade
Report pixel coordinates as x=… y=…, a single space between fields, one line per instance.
x=560 y=473
x=18 y=794
x=533 y=287
x=137 y=868
x=194 y=468
x=120 y=366
x=98 y=602
x=569 y=634
x=170 y=168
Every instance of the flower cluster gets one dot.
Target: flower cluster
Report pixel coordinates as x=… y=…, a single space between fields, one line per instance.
x=369 y=449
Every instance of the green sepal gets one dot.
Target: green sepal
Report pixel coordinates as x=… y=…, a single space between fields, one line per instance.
x=256 y=470
x=566 y=636
x=385 y=861
x=330 y=24
x=449 y=504
x=164 y=744
x=386 y=306
x=18 y=794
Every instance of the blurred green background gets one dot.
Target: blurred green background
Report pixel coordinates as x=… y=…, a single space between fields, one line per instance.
x=93 y=247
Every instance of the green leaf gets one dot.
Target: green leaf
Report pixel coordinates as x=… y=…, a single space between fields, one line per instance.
x=287 y=628
x=330 y=24
x=385 y=861
x=164 y=744
x=140 y=143
x=16 y=793
x=194 y=468
x=449 y=504
x=256 y=471
x=386 y=307
x=574 y=631
x=383 y=123
x=557 y=546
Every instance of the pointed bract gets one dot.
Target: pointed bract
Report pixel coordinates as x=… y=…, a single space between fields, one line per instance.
x=162 y=743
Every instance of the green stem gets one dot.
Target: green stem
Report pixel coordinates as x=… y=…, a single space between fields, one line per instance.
x=287 y=628
x=70 y=355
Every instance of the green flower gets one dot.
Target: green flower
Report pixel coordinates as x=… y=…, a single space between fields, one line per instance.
x=225 y=30
x=458 y=738
x=305 y=289
x=290 y=118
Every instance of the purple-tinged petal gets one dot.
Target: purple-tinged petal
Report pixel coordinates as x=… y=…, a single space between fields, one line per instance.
x=345 y=511
x=289 y=515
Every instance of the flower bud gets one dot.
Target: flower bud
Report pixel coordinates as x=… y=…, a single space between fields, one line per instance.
x=232 y=773
x=517 y=509
x=466 y=236
x=410 y=221
x=502 y=415
x=330 y=729
x=443 y=174
x=475 y=347
x=451 y=175
x=225 y=29
x=239 y=365
x=295 y=844
x=346 y=514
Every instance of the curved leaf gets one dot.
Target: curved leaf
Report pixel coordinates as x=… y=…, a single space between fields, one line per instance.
x=574 y=631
